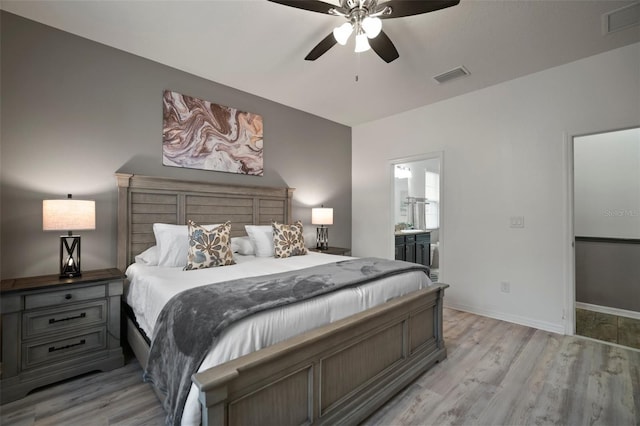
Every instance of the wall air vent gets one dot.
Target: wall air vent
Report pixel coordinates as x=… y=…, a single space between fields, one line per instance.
x=450 y=75
x=621 y=19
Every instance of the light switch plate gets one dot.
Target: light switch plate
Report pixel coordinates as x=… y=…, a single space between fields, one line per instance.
x=517 y=222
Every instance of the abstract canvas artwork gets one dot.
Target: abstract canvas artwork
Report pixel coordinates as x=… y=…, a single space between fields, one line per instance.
x=199 y=134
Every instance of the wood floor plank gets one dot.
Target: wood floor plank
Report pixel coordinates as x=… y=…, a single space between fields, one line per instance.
x=504 y=374
x=520 y=391
x=496 y=373
x=608 y=386
x=96 y=399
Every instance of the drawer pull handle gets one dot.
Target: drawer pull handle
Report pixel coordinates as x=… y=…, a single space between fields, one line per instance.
x=54 y=320
x=53 y=348
x=68 y=296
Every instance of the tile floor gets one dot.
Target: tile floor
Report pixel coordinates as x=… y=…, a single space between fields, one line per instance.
x=608 y=328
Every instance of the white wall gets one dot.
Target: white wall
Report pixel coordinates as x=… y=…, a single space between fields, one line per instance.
x=505 y=154
x=607 y=184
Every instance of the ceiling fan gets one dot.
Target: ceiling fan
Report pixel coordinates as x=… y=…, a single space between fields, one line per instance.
x=364 y=18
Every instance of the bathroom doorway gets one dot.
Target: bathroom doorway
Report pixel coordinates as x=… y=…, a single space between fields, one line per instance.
x=606 y=217
x=417 y=206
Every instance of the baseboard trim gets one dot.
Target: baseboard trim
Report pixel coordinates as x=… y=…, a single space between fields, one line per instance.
x=608 y=310
x=516 y=319
x=591 y=339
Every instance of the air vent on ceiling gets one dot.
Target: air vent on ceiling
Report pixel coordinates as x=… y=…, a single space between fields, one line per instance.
x=621 y=19
x=450 y=75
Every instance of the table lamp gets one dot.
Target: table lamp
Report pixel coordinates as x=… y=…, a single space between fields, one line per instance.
x=322 y=216
x=67 y=215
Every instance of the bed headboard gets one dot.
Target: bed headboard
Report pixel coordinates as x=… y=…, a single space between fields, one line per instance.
x=145 y=200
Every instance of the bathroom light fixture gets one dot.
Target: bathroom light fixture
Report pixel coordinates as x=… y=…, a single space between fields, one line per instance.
x=402 y=172
x=66 y=215
x=322 y=216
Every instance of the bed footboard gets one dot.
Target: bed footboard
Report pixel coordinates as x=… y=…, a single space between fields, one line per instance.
x=339 y=373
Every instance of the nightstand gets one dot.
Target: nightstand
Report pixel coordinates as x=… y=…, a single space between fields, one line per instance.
x=340 y=251
x=56 y=328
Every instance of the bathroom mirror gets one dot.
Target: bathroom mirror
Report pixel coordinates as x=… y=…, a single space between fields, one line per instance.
x=417 y=195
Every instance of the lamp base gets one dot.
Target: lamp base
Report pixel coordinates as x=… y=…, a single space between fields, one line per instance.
x=322 y=238
x=70 y=256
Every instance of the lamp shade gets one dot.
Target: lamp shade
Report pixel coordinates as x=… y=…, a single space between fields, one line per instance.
x=322 y=216
x=68 y=215
x=362 y=43
x=372 y=26
x=343 y=32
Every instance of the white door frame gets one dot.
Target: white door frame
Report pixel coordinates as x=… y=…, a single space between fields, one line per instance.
x=569 y=306
x=569 y=252
x=437 y=155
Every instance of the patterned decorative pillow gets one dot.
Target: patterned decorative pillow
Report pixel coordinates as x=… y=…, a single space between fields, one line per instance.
x=288 y=240
x=209 y=248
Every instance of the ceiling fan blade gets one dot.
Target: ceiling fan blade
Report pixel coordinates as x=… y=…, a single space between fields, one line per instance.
x=312 y=5
x=383 y=46
x=327 y=43
x=400 y=8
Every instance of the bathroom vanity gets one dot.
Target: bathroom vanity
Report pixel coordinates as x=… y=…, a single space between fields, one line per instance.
x=413 y=246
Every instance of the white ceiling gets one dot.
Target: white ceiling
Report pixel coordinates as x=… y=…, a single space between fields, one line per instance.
x=258 y=47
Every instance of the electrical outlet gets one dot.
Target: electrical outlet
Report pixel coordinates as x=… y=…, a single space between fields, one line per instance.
x=505 y=287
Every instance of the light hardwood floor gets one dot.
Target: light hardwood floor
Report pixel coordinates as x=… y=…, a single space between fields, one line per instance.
x=496 y=373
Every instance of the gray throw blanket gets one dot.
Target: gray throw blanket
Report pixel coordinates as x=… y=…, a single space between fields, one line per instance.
x=191 y=322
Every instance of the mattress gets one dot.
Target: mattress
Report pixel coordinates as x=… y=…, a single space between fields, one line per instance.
x=151 y=287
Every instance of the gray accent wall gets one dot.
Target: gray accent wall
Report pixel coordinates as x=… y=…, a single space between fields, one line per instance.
x=74 y=112
x=608 y=273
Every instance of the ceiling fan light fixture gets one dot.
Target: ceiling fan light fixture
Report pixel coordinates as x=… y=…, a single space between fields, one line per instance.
x=364 y=17
x=362 y=43
x=372 y=26
x=342 y=33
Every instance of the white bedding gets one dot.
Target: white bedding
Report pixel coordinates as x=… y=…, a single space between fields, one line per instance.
x=151 y=287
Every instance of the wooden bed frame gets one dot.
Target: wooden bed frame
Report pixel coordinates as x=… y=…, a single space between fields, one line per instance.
x=338 y=373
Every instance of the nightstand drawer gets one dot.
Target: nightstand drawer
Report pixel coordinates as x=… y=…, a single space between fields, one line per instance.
x=45 y=322
x=57 y=298
x=55 y=328
x=40 y=352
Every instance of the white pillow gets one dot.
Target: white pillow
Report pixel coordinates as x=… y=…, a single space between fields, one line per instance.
x=173 y=243
x=262 y=239
x=148 y=257
x=242 y=245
